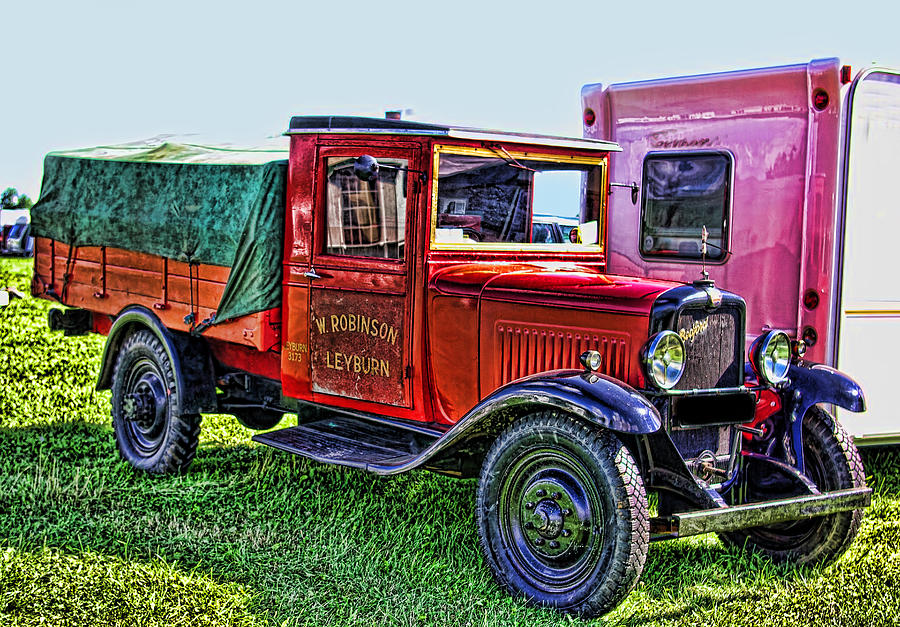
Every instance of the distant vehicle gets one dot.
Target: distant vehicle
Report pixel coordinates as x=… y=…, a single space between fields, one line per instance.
x=552 y=229
x=8 y=219
x=17 y=239
x=545 y=230
x=791 y=171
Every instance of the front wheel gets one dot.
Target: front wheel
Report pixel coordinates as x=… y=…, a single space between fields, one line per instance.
x=151 y=432
x=562 y=514
x=832 y=463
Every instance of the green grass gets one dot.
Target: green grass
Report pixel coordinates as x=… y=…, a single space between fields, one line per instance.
x=252 y=536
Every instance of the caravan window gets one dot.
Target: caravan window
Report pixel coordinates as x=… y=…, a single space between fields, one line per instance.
x=682 y=193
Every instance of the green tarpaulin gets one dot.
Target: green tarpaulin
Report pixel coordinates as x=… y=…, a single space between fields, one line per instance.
x=192 y=203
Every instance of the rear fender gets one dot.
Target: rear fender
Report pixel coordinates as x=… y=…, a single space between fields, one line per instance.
x=189 y=356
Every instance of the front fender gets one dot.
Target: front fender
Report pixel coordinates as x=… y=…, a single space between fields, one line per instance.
x=807 y=385
x=594 y=398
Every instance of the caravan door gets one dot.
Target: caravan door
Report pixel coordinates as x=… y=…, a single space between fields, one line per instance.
x=868 y=307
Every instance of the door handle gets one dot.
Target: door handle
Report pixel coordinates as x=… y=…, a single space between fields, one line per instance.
x=312 y=274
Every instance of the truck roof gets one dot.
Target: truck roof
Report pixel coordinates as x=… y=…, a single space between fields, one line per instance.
x=377 y=126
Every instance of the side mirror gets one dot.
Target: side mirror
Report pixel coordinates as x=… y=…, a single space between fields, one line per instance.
x=365 y=167
x=635 y=190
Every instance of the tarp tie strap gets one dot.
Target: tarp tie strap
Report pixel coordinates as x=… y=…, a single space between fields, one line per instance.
x=204 y=325
x=71 y=258
x=102 y=293
x=191 y=318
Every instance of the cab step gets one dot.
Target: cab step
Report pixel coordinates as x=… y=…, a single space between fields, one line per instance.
x=350 y=441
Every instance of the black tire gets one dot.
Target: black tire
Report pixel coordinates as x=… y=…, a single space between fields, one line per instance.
x=832 y=463
x=151 y=432
x=562 y=514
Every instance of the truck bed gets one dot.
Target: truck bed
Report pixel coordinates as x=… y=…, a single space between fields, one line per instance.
x=105 y=280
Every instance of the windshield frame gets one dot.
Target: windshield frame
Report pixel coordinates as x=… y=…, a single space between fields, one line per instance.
x=511 y=156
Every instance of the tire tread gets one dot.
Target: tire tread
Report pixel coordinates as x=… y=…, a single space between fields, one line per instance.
x=836 y=531
x=182 y=431
x=634 y=519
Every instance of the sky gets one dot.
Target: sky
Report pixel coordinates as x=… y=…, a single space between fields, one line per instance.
x=80 y=74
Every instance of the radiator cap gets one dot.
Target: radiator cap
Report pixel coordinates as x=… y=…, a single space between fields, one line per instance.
x=713 y=294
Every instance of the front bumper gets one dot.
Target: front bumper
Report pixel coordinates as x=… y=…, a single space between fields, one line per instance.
x=737 y=517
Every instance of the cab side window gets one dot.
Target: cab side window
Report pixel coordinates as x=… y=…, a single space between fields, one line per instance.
x=365 y=218
x=682 y=193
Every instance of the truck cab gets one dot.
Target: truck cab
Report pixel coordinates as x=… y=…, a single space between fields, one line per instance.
x=411 y=320
x=388 y=281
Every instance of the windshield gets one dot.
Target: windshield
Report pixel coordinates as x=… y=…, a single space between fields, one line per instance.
x=497 y=198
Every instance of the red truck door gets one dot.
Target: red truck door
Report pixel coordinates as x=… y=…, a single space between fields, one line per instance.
x=359 y=308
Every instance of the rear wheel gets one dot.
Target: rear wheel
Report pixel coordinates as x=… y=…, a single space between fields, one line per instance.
x=832 y=463
x=562 y=514
x=150 y=431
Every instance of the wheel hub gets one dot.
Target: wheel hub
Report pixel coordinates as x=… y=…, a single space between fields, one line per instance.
x=551 y=520
x=145 y=402
x=551 y=517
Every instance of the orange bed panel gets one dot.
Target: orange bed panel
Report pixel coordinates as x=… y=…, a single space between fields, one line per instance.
x=106 y=280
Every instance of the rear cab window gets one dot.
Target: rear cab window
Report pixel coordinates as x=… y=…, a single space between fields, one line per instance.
x=366 y=218
x=683 y=193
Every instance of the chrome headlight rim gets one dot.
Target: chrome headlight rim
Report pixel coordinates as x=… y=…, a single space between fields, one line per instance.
x=660 y=358
x=591 y=360
x=772 y=356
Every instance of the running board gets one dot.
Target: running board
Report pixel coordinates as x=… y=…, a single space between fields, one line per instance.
x=758 y=514
x=349 y=441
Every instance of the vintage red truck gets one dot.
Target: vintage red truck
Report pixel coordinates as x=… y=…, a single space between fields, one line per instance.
x=378 y=280
x=791 y=169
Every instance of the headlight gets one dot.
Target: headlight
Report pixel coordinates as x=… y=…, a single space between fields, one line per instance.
x=591 y=360
x=771 y=355
x=664 y=359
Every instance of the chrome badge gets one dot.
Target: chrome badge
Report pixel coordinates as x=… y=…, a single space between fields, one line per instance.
x=697 y=329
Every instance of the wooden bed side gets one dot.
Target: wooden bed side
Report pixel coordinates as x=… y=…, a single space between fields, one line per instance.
x=105 y=280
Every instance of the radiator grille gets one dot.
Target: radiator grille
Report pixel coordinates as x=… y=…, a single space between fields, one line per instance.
x=714 y=352
x=529 y=349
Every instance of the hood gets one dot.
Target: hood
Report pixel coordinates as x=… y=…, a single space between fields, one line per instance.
x=553 y=284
